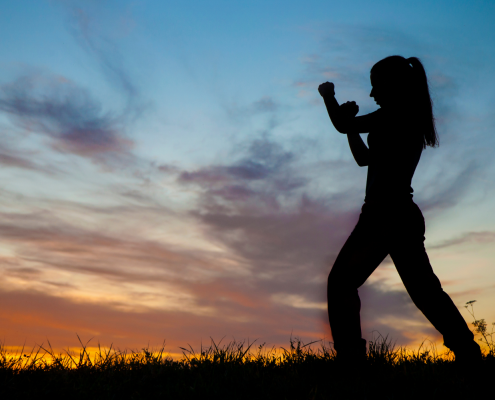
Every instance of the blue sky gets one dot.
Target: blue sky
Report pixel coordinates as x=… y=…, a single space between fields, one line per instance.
x=169 y=170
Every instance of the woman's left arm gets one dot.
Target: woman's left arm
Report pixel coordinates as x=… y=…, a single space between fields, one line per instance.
x=343 y=116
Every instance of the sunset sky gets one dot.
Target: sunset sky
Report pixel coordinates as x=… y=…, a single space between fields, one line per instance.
x=169 y=171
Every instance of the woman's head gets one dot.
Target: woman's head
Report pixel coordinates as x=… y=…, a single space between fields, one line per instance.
x=401 y=82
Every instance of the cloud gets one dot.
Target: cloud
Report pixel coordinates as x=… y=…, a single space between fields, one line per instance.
x=468 y=237
x=91 y=266
x=242 y=114
x=11 y=157
x=265 y=167
x=67 y=115
x=265 y=104
x=47 y=238
x=446 y=191
x=167 y=168
x=89 y=35
x=39 y=316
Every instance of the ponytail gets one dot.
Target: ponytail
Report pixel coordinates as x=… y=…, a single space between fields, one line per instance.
x=425 y=104
x=409 y=75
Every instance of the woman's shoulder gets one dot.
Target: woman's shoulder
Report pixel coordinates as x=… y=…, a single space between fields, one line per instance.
x=401 y=118
x=372 y=120
x=393 y=113
x=378 y=120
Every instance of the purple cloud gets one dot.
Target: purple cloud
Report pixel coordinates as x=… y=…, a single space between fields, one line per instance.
x=265 y=160
x=88 y=35
x=10 y=157
x=469 y=237
x=67 y=115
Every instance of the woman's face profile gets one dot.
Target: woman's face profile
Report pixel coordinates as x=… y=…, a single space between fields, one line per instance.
x=379 y=91
x=386 y=93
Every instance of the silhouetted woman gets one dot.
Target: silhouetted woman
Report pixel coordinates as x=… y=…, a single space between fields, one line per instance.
x=390 y=222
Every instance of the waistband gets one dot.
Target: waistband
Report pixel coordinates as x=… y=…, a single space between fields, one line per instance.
x=388 y=204
x=389 y=199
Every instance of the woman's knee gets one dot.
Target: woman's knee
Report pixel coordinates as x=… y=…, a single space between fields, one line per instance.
x=338 y=285
x=423 y=283
x=426 y=295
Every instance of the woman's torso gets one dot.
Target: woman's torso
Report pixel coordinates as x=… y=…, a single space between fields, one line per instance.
x=395 y=145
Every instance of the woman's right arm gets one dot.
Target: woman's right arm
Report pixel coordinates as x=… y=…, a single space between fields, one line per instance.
x=346 y=116
x=344 y=120
x=359 y=150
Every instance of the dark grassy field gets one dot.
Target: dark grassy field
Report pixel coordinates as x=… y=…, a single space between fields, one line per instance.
x=238 y=371
x=241 y=371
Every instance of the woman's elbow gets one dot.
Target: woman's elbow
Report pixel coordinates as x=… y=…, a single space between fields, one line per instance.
x=346 y=127
x=340 y=129
x=363 y=162
x=339 y=125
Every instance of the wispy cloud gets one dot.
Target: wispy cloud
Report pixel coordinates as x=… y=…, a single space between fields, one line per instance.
x=108 y=57
x=447 y=188
x=265 y=160
x=479 y=238
x=13 y=157
x=72 y=120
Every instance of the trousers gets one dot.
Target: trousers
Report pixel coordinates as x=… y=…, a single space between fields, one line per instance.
x=397 y=230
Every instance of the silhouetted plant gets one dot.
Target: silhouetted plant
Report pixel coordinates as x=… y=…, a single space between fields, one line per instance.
x=480 y=326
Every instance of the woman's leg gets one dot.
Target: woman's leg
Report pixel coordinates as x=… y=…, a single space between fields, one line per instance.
x=409 y=256
x=360 y=256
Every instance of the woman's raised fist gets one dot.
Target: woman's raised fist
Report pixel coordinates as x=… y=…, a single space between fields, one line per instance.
x=326 y=89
